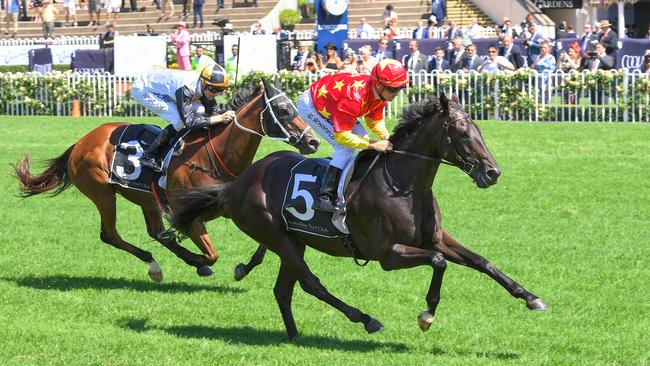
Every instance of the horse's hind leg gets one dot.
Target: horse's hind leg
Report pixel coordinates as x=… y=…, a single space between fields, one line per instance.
x=457 y=253
x=104 y=200
x=201 y=239
x=291 y=254
x=241 y=270
x=155 y=229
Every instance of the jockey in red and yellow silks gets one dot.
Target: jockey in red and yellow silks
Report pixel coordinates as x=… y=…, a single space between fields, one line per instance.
x=332 y=106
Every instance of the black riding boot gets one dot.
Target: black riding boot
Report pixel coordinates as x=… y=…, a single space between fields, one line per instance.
x=326 y=200
x=151 y=158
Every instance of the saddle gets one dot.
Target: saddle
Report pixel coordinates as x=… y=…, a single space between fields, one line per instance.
x=302 y=190
x=130 y=147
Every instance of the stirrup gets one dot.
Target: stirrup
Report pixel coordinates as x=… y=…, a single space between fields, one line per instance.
x=151 y=163
x=324 y=204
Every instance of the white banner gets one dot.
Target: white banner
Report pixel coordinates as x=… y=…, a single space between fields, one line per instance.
x=256 y=53
x=61 y=54
x=134 y=54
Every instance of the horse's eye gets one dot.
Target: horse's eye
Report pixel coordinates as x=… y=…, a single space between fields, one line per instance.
x=283 y=111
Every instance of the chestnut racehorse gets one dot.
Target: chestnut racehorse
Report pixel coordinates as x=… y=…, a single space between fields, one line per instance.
x=209 y=157
x=393 y=216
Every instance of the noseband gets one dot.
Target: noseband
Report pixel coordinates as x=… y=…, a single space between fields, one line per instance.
x=291 y=140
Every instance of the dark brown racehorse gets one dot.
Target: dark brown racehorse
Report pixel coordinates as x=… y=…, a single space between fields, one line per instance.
x=394 y=218
x=209 y=157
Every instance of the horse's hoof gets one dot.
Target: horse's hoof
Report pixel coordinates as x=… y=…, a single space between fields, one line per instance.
x=204 y=271
x=240 y=272
x=425 y=319
x=155 y=272
x=536 y=304
x=373 y=326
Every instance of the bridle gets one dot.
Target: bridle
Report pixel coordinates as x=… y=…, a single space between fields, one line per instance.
x=467 y=161
x=291 y=140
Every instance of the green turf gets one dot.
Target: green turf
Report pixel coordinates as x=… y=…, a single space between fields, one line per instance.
x=568 y=220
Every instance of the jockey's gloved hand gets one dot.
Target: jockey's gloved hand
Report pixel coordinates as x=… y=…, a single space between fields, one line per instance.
x=381 y=146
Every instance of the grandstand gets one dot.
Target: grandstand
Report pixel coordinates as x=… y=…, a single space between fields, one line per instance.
x=242 y=16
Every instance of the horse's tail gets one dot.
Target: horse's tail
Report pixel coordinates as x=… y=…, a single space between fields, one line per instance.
x=203 y=203
x=54 y=177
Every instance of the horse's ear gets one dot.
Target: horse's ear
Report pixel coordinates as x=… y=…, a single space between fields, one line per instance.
x=276 y=82
x=455 y=100
x=267 y=88
x=444 y=102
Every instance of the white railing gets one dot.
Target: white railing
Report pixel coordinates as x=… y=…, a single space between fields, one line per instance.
x=210 y=36
x=524 y=96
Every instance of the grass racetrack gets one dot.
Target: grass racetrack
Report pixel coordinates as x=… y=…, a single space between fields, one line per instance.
x=568 y=220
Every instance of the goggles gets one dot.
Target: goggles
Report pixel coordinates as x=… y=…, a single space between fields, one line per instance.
x=392 y=90
x=214 y=88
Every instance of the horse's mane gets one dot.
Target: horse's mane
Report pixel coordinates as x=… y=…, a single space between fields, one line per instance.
x=245 y=95
x=413 y=113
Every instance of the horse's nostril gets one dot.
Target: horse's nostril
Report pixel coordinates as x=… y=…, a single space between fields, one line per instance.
x=493 y=173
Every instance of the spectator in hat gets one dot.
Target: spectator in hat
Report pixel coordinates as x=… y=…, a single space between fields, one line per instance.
x=181 y=39
x=332 y=60
x=227 y=29
x=48 y=15
x=608 y=37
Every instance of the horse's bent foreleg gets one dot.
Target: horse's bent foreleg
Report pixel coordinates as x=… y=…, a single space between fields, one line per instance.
x=241 y=270
x=403 y=256
x=155 y=229
x=283 y=292
x=200 y=237
x=105 y=203
x=457 y=253
x=293 y=258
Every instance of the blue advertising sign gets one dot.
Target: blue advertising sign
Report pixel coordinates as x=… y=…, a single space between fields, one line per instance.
x=331 y=23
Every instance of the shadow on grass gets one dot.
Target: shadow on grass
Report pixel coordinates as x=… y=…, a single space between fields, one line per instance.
x=257 y=337
x=68 y=283
x=504 y=356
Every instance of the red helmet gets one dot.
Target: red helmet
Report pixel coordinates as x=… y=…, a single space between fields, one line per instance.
x=389 y=72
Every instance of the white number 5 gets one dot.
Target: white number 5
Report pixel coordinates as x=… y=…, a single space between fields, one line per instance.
x=309 y=200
